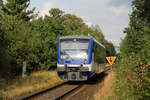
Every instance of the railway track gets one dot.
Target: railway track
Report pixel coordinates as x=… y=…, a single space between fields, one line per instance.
x=54 y=93
x=57 y=92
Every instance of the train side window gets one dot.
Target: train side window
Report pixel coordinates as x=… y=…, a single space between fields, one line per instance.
x=93 y=50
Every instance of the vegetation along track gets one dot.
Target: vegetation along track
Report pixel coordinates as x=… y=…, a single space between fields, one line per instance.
x=57 y=92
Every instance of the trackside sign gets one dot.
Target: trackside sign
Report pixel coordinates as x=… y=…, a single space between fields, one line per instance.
x=111 y=60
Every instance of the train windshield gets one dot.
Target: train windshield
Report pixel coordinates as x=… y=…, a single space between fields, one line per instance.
x=74 y=48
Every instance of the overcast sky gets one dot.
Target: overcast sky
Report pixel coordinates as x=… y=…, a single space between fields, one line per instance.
x=111 y=15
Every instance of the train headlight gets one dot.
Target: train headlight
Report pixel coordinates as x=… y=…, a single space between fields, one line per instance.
x=61 y=56
x=85 y=61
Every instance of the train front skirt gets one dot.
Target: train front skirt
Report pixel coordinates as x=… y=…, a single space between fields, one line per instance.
x=75 y=76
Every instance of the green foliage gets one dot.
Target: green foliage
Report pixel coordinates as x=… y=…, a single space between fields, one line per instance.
x=18 y=8
x=73 y=22
x=20 y=41
x=1 y=96
x=56 y=13
x=133 y=73
x=49 y=30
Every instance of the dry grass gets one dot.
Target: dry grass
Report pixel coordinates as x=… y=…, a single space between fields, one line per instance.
x=106 y=90
x=36 y=81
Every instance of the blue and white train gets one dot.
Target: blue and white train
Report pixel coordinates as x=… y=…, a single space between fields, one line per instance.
x=77 y=57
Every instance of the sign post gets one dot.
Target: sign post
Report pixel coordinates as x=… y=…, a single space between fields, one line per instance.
x=24 y=69
x=111 y=61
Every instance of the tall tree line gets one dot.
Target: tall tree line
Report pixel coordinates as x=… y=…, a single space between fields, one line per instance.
x=26 y=37
x=134 y=71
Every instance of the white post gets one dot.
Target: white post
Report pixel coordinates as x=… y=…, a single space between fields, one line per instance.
x=111 y=72
x=24 y=69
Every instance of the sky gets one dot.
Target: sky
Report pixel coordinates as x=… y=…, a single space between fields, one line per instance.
x=111 y=15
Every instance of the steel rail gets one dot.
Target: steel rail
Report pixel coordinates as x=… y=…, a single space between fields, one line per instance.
x=54 y=87
x=42 y=91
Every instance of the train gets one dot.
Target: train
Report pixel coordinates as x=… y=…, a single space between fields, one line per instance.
x=78 y=57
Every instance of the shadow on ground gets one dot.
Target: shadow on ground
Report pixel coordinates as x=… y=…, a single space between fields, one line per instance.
x=96 y=78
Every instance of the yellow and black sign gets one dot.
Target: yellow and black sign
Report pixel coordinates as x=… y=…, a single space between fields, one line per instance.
x=111 y=60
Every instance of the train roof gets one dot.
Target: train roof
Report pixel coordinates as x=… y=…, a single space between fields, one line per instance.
x=79 y=37
x=99 y=43
x=82 y=37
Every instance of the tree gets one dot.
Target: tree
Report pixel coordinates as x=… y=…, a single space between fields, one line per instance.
x=20 y=43
x=49 y=29
x=56 y=13
x=141 y=7
x=73 y=22
x=135 y=49
x=18 y=8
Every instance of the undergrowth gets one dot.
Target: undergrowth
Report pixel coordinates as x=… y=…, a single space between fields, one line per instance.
x=132 y=80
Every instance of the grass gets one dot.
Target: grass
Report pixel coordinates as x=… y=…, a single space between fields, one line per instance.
x=106 y=90
x=0 y=96
x=31 y=83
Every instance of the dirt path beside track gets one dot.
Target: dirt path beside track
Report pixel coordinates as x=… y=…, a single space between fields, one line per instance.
x=106 y=89
x=92 y=89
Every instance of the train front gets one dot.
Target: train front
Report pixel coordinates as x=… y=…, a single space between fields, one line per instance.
x=73 y=59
